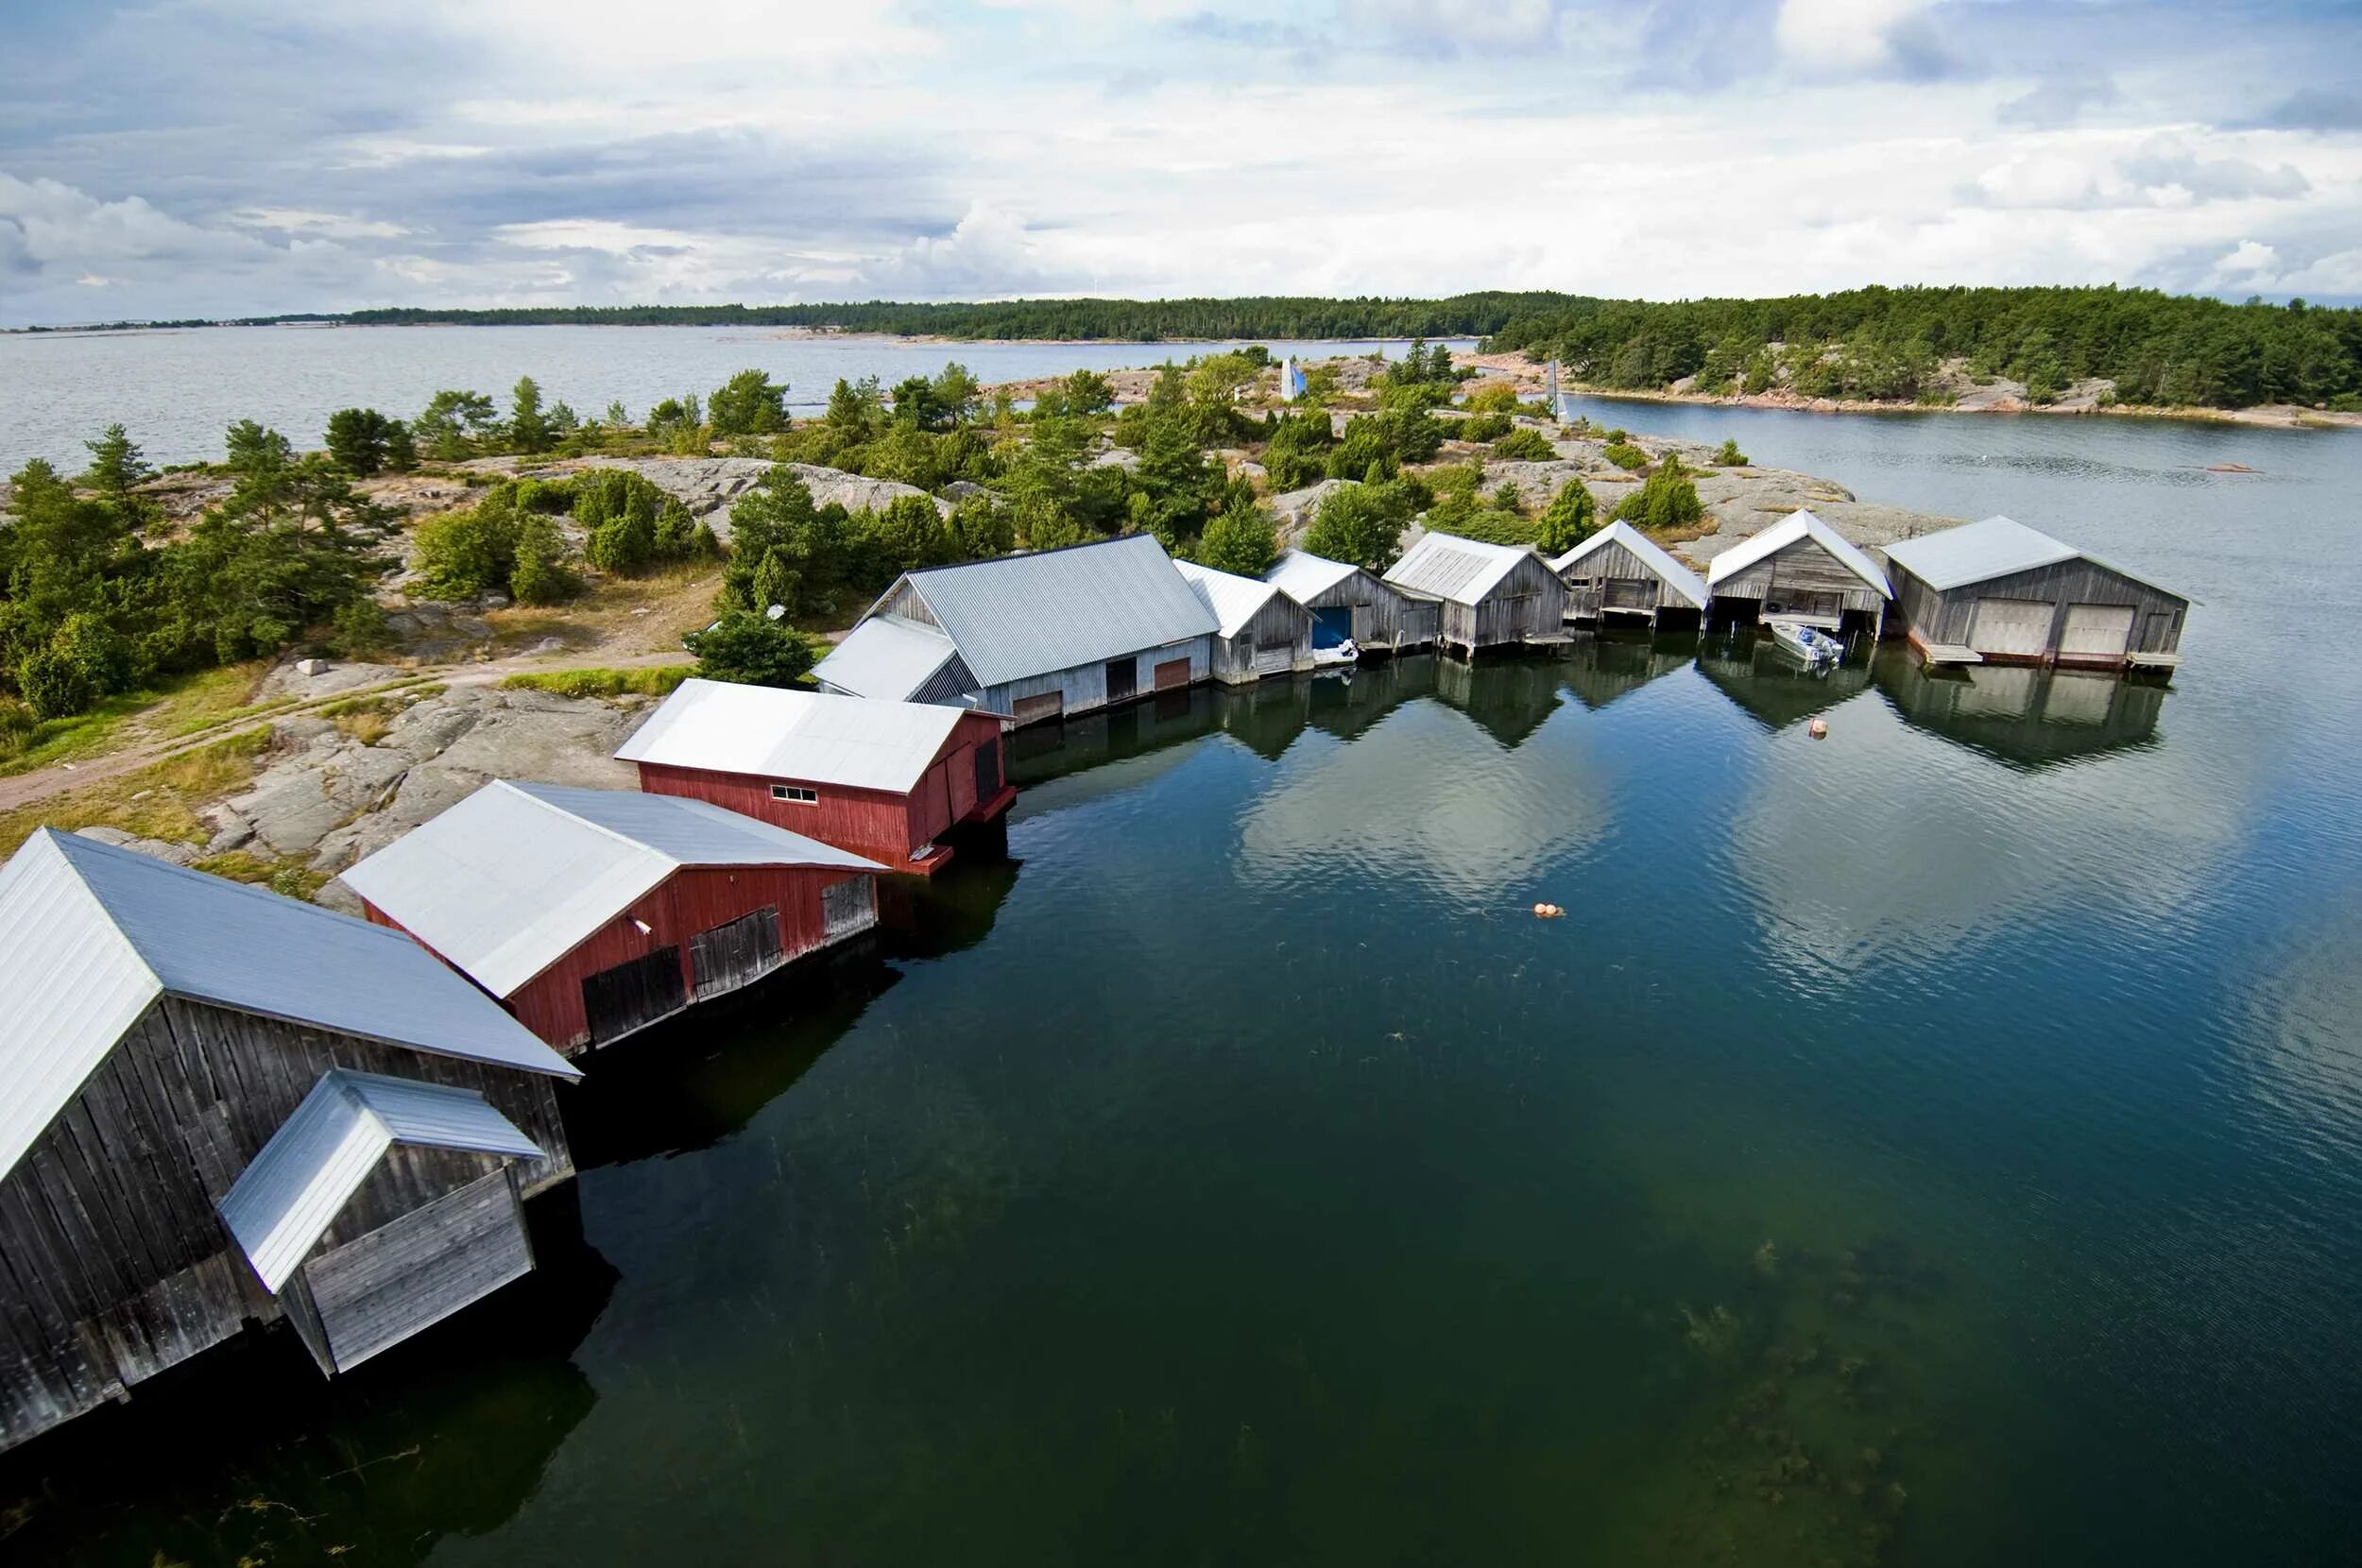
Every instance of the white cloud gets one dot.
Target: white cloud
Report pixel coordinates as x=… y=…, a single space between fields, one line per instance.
x=1842 y=37
x=337 y=225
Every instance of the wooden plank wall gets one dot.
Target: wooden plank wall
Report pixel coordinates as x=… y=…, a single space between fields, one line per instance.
x=1083 y=688
x=113 y=1264
x=1282 y=621
x=1529 y=601
x=690 y=901
x=1589 y=581
x=1945 y=617
x=381 y=1286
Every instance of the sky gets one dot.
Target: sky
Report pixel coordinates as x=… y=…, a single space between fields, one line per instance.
x=206 y=158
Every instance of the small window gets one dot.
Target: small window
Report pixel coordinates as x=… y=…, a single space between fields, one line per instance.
x=795 y=793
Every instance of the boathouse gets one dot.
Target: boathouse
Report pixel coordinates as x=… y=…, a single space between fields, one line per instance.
x=1491 y=595
x=1032 y=637
x=221 y=1106
x=887 y=781
x=1799 y=569
x=2000 y=591
x=1351 y=603
x=1620 y=575
x=1258 y=630
x=593 y=914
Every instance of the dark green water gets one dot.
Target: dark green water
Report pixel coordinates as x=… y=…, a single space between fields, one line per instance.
x=1937 y=1144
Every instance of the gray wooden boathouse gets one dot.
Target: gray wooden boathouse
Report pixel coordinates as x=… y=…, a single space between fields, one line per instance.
x=1620 y=575
x=1799 y=569
x=1350 y=603
x=1258 y=630
x=1032 y=637
x=1998 y=590
x=219 y=1107
x=1491 y=595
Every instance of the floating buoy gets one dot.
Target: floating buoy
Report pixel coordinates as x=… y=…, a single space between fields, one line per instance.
x=1817 y=729
x=1547 y=911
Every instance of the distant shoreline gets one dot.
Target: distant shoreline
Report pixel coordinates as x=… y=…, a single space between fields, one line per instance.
x=2267 y=416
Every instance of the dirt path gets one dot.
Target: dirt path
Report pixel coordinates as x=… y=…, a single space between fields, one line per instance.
x=24 y=789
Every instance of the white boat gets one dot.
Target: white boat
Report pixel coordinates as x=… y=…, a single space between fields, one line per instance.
x=1804 y=643
x=1344 y=655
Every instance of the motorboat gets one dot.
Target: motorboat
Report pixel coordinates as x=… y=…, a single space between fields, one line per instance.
x=1805 y=644
x=1342 y=655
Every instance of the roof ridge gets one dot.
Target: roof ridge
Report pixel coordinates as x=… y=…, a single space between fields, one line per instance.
x=1030 y=555
x=600 y=827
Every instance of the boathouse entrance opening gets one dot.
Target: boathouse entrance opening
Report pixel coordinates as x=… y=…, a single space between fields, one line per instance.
x=633 y=996
x=1123 y=679
x=1332 y=626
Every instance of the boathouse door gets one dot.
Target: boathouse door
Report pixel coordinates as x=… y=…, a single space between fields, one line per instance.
x=2013 y=628
x=731 y=956
x=1123 y=679
x=1172 y=675
x=987 y=770
x=633 y=996
x=1332 y=626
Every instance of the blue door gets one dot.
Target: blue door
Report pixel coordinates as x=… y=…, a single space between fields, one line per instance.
x=1332 y=626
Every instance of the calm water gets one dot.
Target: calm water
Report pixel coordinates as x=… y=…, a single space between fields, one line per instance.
x=177 y=391
x=1940 y=1144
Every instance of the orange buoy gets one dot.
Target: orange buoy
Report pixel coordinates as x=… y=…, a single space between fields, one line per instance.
x=1817 y=729
x=1547 y=911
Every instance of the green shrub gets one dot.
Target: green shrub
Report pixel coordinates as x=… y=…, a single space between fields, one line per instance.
x=1571 y=517
x=1524 y=444
x=1494 y=396
x=461 y=555
x=751 y=650
x=1242 y=539
x=1728 y=455
x=541 y=574
x=1626 y=456
x=54 y=687
x=1484 y=427
x=1664 y=500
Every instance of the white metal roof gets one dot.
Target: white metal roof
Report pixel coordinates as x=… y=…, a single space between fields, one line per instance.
x=885 y=656
x=517 y=875
x=1303 y=577
x=1234 y=600
x=90 y=935
x=1648 y=552
x=299 y=1181
x=860 y=742
x=1798 y=525
x=1975 y=550
x=1997 y=547
x=1449 y=567
x=1031 y=615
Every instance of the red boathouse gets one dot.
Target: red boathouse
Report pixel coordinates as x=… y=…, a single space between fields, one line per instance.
x=591 y=914
x=884 y=779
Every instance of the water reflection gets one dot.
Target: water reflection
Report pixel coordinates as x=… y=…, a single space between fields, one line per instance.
x=1603 y=667
x=2023 y=715
x=1509 y=698
x=1772 y=688
x=445 y=1434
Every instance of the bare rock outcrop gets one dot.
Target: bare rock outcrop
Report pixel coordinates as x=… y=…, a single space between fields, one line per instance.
x=709 y=488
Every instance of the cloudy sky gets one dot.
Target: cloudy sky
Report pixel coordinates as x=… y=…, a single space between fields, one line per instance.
x=167 y=158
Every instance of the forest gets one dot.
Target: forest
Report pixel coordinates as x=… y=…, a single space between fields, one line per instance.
x=1888 y=343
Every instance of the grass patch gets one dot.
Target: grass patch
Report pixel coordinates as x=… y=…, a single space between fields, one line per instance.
x=366 y=719
x=290 y=879
x=160 y=801
x=182 y=704
x=655 y=680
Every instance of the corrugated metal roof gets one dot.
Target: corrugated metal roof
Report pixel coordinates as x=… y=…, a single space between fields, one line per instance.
x=1997 y=547
x=1975 y=550
x=1031 y=615
x=299 y=1180
x=1449 y=567
x=514 y=877
x=90 y=935
x=1234 y=600
x=1303 y=577
x=1652 y=554
x=885 y=656
x=1798 y=525
x=860 y=743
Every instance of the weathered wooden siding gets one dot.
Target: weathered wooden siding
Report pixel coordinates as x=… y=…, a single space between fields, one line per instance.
x=386 y=1285
x=1083 y=688
x=1936 y=617
x=1276 y=642
x=1803 y=568
x=1383 y=616
x=1611 y=578
x=675 y=911
x=113 y=1263
x=1529 y=601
